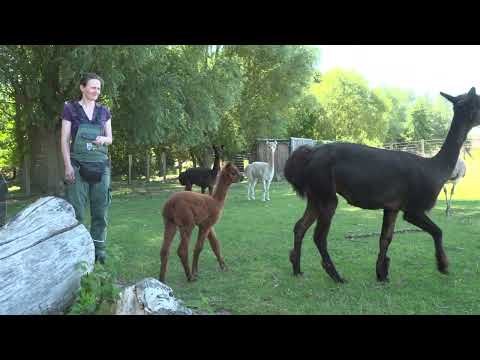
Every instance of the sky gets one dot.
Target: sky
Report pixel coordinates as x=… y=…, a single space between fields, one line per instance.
x=425 y=69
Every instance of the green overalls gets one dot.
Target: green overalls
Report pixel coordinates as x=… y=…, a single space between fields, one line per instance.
x=92 y=182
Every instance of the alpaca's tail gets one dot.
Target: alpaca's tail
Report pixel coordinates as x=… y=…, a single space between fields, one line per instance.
x=294 y=168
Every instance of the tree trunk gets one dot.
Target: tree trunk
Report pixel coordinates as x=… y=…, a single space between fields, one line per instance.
x=47 y=162
x=42 y=250
x=205 y=158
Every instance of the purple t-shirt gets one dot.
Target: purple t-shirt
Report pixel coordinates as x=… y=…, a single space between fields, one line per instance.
x=73 y=112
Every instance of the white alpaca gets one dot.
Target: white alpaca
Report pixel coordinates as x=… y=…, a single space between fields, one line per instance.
x=261 y=171
x=457 y=175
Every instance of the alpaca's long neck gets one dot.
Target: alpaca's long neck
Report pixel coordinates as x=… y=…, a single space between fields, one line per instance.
x=220 y=190
x=216 y=163
x=271 y=161
x=448 y=155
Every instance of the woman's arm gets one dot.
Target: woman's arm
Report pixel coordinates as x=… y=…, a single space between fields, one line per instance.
x=65 y=146
x=107 y=139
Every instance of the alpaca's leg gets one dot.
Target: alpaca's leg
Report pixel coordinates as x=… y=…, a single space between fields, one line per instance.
x=268 y=189
x=248 y=188
x=186 y=233
x=215 y=245
x=203 y=190
x=188 y=186
x=423 y=222
x=299 y=231
x=254 y=183
x=450 y=200
x=264 y=189
x=327 y=210
x=169 y=235
x=202 y=234
x=446 y=200
x=210 y=190
x=388 y=226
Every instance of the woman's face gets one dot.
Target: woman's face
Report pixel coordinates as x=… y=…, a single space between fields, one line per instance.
x=92 y=90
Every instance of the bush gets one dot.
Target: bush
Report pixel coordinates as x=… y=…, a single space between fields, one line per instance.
x=98 y=293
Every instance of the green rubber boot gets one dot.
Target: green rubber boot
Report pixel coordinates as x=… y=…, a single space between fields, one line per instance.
x=100 y=253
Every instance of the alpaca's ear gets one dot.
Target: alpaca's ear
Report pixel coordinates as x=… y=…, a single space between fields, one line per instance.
x=222 y=147
x=450 y=98
x=472 y=92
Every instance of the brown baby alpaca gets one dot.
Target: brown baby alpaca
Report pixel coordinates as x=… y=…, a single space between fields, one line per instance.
x=184 y=210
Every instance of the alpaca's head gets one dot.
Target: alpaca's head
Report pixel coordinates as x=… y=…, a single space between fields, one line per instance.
x=467 y=106
x=231 y=174
x=272 y=145
x=218 y=150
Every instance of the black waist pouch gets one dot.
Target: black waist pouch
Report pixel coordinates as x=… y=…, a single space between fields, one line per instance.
x=92 y=171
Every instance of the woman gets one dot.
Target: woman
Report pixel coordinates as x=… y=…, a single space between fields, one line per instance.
x=86 y=133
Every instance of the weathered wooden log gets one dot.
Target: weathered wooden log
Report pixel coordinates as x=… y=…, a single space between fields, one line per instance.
x=150 y=297
x=44 y=252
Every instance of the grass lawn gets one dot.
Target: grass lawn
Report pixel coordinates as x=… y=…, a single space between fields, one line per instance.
x=256 y=238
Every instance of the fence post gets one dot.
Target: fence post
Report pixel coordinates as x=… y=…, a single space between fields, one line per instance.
x=164 y=166
x=130 y=160
x=26 y=174
x=148 y=166
x=422 y=147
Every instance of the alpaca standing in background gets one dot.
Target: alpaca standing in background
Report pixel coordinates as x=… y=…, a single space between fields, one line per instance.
x=457 y=175
x=203 y=177
x=261 y=171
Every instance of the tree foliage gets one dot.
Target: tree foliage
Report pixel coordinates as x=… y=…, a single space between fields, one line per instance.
x=353 y=111
x=181 y=99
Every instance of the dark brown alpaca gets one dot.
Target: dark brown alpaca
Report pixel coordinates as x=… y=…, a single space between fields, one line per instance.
x=203 y=177
x=372 y=178
x=186 y=209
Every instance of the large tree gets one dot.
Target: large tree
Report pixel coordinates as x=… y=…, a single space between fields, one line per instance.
x=38 y=79
x=397 y=103
x=179 y=98
x=354 y=112
x=274 y=76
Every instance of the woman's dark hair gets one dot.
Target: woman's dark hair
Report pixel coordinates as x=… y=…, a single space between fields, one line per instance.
x=90 y=76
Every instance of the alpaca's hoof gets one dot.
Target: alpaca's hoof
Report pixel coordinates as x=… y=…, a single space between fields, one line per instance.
x=383 y=279
x=298 y=273
x=224 y=268
x=442 y=264
x=443 y=271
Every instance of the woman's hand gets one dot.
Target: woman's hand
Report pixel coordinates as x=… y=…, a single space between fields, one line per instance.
x=69 y=174
x=100 y=140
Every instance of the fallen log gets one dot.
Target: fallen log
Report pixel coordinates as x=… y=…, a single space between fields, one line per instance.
x=44 y=252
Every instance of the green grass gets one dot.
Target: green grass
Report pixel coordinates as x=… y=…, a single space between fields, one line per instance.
x=256 y=238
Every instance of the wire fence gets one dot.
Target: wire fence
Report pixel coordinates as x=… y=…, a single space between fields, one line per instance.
x=429 y=148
